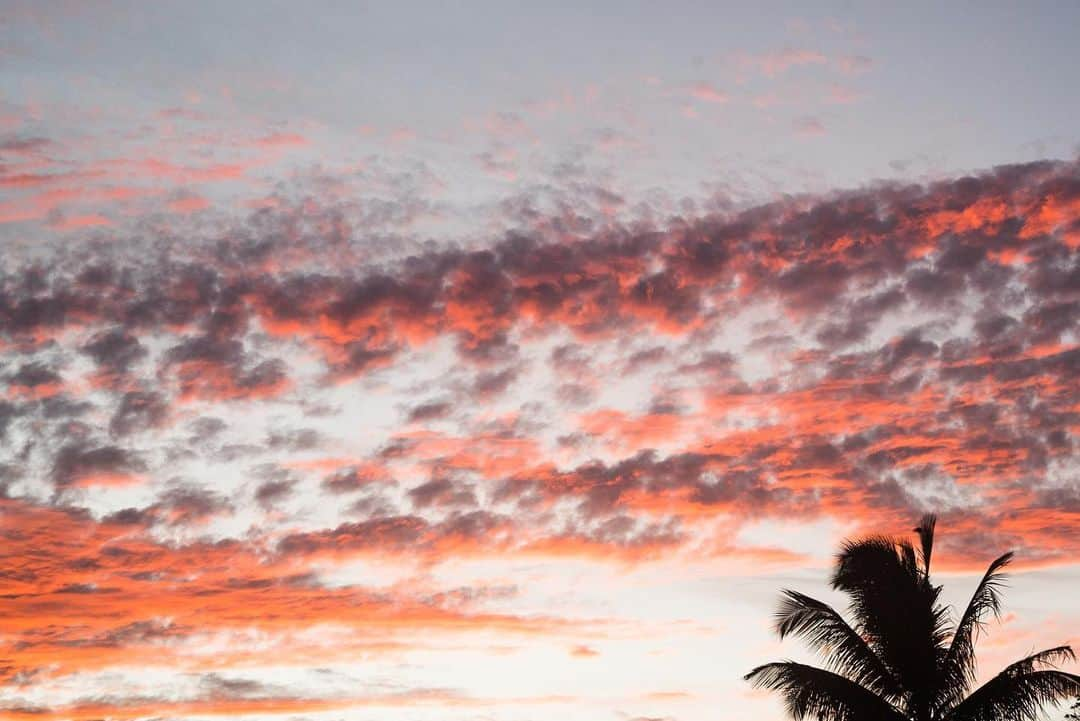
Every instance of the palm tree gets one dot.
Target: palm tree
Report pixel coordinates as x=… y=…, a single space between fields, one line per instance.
x=902 y=658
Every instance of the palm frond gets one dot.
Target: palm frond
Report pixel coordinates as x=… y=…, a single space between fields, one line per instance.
x=821 y=694
x=1047 y=657
x=958 y=668
x=1021 y=691
x=925 y=530
x=896 y=609
x=825 y=630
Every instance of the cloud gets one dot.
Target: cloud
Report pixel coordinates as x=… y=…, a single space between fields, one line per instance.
x=569 y=388
x=776 y=63
x=139 y=410
x=107 y=594
x=707 y=93
x=854 y=64
x=77 y=465
x=808 y=126
x=25 y=146
x=35 y=380
x=207 y=367
x=429 y=411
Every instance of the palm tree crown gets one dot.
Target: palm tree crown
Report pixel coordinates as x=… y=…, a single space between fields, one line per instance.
x=903 y=658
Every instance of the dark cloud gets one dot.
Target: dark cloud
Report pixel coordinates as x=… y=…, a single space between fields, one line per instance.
x=354 y=478
x=204 y=429
x=115 y=350
x=429 y=411
x=645 y=358
x=442 y=492
x=33 y=376
x=138 y=411
x=74 y=464
x=491 y=384
x=190 y=504
x=301 y=439
x=182 y=504
x=26 y=145
x=575 y=394
x=218 y=686
x=270 y=493
x=220 y=369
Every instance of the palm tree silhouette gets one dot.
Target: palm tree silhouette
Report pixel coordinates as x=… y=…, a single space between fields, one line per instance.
x=902 y=658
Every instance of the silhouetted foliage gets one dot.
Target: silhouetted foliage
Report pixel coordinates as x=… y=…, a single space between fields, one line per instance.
x=901 y=658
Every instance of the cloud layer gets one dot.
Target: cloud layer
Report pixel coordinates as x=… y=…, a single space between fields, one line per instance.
x=199 y=435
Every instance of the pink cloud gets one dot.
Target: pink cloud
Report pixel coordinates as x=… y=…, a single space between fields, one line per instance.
x=280 y=140
x=708 y=93
x=775 y=63
x=188 y=204
x=843 y=95
x=401 y=135
x=854 y=64
x=808 y=126
x=158 y=168
x=73 y=222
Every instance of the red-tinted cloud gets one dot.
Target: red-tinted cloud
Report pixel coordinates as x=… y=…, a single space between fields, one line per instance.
x=586 y=390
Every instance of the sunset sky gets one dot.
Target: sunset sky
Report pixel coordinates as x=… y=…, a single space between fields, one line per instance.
x=503 y=361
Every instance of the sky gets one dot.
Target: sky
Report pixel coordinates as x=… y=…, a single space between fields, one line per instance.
x=503 y=361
